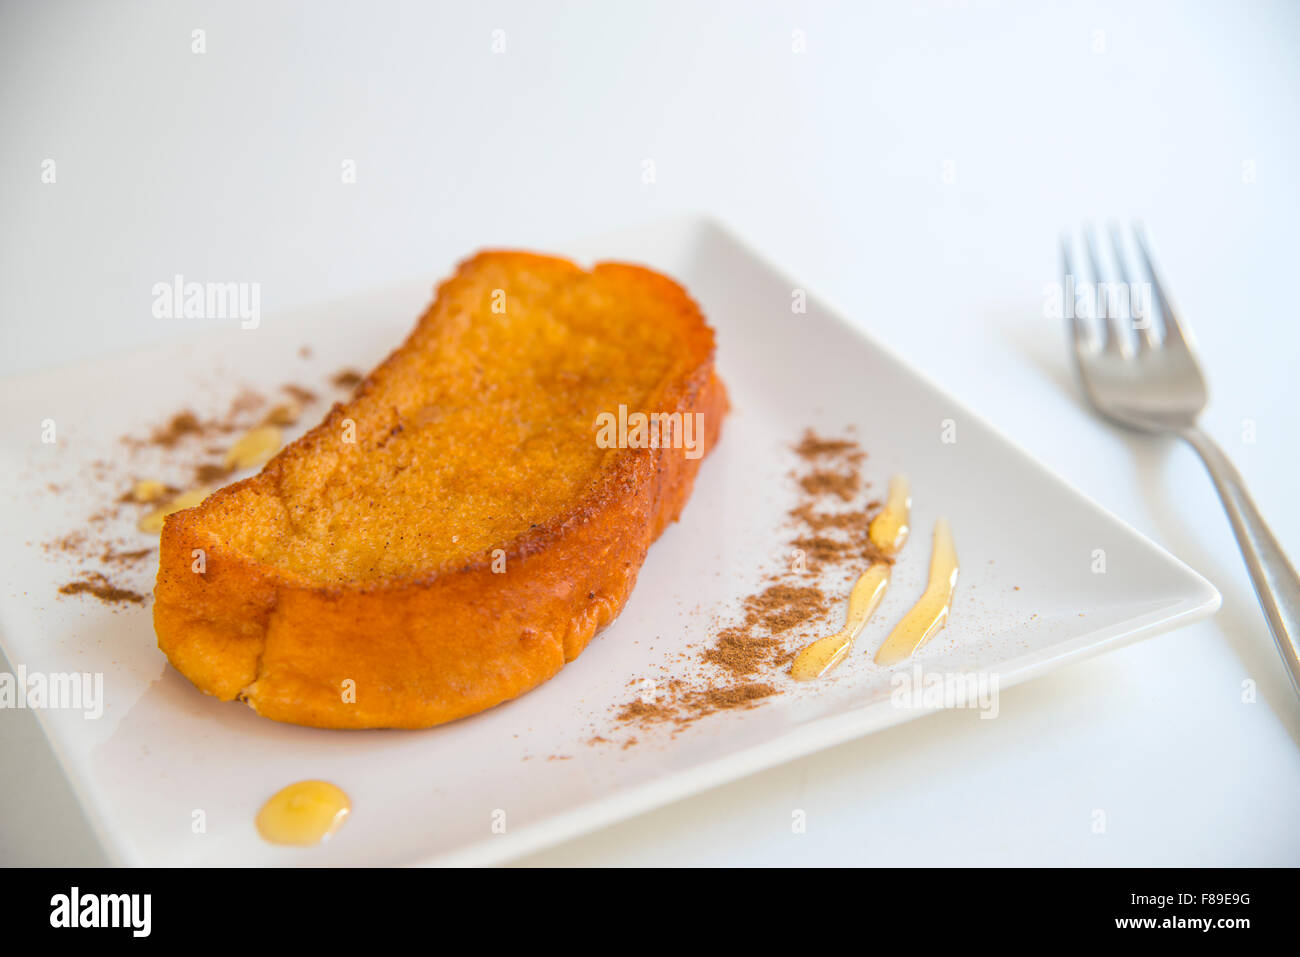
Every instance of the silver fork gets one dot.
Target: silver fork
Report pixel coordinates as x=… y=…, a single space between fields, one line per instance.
x=1154 y=384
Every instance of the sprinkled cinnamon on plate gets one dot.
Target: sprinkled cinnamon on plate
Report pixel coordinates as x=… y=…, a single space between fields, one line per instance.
x=854 y=522
x=743 y=662
x=71 y=542
x=738 y=696
x=184 y=449
x=111 y=557
x=820 y=549
x=780 y=607
x=812 y=447
x=297 y=392
x=841 y=484
x=741 y=654
x=682 y=709
x=181 y=424
x=210 y=473
x=94 y=583
x=283 y=413
x=245 y=402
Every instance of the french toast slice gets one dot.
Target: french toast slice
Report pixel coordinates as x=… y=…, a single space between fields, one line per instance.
x=463 y=526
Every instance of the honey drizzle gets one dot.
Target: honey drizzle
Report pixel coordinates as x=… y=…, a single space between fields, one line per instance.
x=887 y=533
x=824 y=654
x=930 y=613
x=306 y=812
x=888 y=530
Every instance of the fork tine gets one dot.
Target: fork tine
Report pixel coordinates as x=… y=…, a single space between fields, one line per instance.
x=1110 y=330
x=1082 y=342
x=1174 y=333
x=1143 y=329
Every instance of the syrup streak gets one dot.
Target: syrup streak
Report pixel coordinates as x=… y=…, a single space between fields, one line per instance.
x=825 y=653
x=888 y=530
x=888 y=533
x=930 y=614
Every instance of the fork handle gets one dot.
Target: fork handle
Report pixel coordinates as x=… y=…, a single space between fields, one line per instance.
x=1276 y=583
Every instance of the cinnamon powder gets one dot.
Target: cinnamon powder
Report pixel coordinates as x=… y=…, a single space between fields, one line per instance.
x=178 y=426
x=346 y=379
x=94 y=583
x=854 y=522
x=812 y=447
x=192 y=446
x=685 y=709
x=210 y=473
x=780 y=607
x=111 y=557
x=299 y=394
x=843 y=485
x=742 y=663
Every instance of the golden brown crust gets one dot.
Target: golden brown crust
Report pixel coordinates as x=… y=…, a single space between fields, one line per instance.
x=437 y=644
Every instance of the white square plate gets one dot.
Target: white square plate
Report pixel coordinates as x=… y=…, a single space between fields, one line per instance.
x=1028 y=600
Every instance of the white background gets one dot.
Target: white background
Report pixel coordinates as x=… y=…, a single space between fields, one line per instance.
x=226 y=166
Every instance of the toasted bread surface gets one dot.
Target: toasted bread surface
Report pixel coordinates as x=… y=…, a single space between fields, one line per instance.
x=455 y=533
